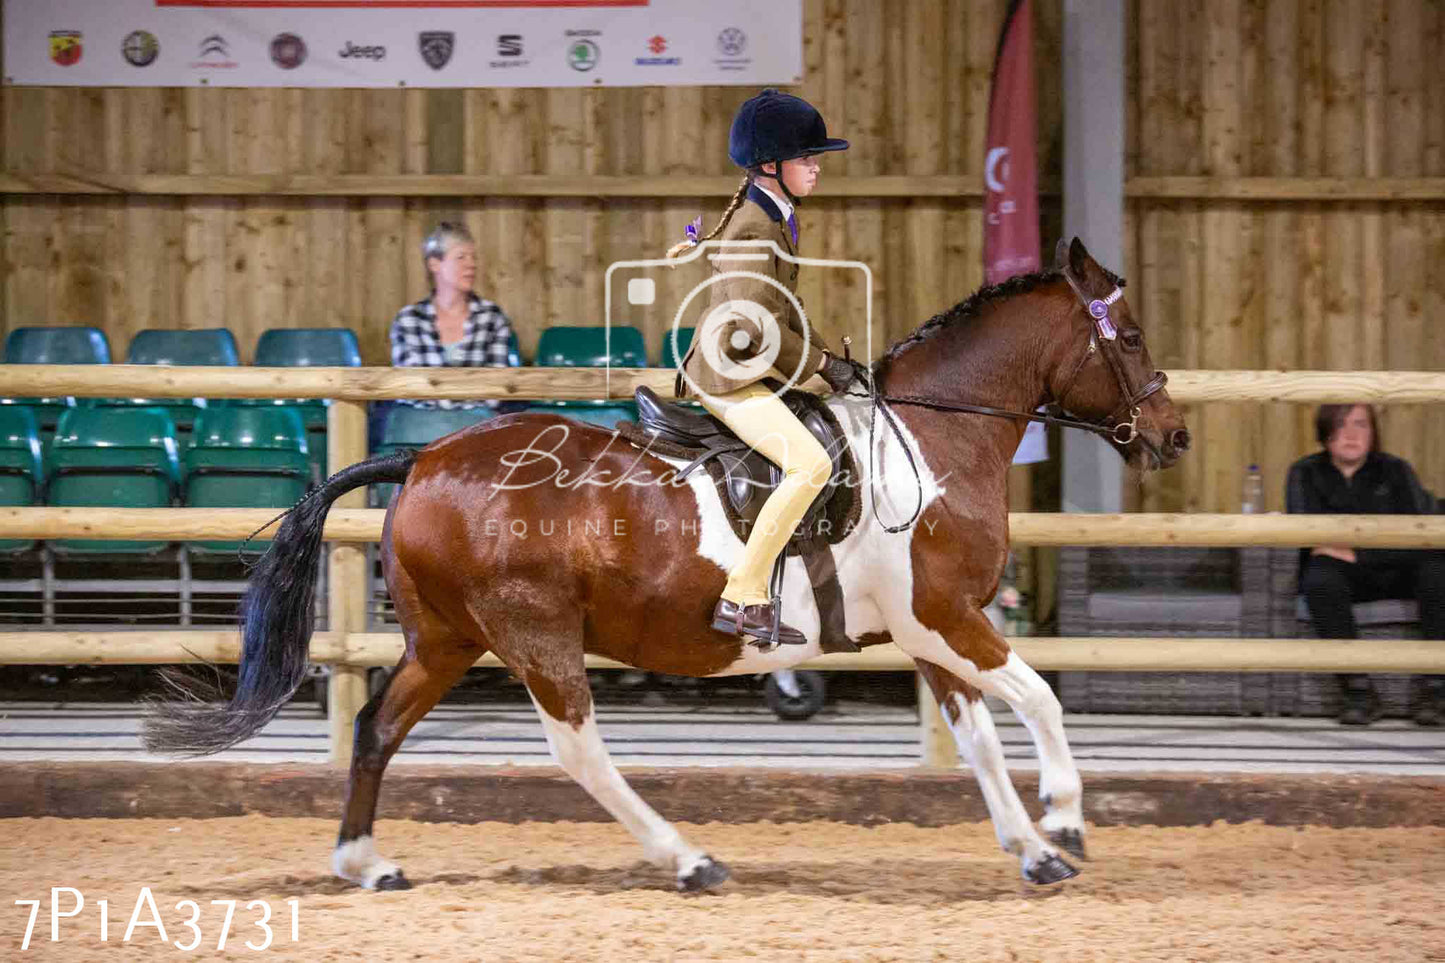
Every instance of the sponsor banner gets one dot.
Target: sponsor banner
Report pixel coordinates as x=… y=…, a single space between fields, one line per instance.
x=407 y=43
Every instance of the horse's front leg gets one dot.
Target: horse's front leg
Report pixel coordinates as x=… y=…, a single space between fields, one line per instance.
x=972 y=726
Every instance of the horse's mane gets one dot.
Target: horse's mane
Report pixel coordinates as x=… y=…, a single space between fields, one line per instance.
x=971 y=307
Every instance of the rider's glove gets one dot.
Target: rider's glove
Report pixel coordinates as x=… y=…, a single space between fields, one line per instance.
x=837 y=372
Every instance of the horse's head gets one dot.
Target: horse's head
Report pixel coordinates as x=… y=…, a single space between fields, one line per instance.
x=1107 y=375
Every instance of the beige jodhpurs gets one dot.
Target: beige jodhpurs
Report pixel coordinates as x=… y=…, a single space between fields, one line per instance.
x=760 y=418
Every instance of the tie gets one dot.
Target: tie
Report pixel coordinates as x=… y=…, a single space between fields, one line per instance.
x=793 y=226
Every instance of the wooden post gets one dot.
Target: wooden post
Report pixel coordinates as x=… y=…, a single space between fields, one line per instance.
x=346 y=445
x=939 y=752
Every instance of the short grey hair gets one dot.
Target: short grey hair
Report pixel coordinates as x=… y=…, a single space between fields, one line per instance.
x=442 y=237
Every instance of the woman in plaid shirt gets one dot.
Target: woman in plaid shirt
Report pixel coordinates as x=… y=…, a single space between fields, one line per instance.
x=454 y=326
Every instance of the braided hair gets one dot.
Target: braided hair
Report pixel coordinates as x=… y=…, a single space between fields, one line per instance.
x=727 y=215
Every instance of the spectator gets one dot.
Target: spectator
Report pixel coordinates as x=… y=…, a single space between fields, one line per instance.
x=454 y=326
x=1353 y=476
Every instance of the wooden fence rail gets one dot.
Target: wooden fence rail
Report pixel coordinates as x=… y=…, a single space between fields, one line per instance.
x=349 y=650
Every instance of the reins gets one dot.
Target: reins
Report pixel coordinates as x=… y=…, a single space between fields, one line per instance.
x=1116 y=430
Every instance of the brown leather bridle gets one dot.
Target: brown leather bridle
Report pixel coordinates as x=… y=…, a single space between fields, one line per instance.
x=1104 y=341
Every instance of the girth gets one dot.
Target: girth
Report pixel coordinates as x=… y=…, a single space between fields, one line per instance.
x=745 y=478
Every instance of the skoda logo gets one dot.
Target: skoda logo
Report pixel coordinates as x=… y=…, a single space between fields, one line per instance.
x=583 y=54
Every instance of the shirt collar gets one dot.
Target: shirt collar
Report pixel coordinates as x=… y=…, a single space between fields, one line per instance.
x=784 y=208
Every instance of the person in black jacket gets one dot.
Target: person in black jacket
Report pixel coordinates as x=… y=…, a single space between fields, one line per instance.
x=1353 y=476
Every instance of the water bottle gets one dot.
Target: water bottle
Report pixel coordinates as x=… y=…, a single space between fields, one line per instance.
x=1251 y=501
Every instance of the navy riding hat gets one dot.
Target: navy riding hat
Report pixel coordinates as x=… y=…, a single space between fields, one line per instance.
x=775 y=127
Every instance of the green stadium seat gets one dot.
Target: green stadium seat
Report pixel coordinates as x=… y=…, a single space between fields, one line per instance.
x=57 y=344
x=588 y=347
x=198 y=346
x=514 y=351
x=605 y=414
x=202 y=346
x=307 y=348
x=22 y=472
x=60 y=344
x=245 y=457
x=114 y=457
x=670 y=358
x=408 y=426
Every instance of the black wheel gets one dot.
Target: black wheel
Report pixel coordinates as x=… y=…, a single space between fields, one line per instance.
x=811 y=693
x=376 y=680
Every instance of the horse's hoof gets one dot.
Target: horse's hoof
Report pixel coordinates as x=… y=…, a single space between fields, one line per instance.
x=393 y=881
x=705 y=875
x=1070 y=841
x=1052 y=869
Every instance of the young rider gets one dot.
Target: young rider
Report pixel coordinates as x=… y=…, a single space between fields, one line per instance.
x=756 y=330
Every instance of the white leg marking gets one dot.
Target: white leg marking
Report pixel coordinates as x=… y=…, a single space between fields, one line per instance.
x=978 y=744
x=1038 y=708
x=357 y=861
x=582 y=753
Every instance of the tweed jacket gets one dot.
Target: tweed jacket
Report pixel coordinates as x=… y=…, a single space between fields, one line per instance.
x=757 y=218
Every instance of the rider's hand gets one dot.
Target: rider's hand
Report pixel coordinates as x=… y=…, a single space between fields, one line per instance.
x=837 y=372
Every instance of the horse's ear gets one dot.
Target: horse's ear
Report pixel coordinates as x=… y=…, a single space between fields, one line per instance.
x=1061 y=254
x=1078 y=257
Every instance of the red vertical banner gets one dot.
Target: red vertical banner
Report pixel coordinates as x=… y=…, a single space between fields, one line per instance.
x=1010 y=168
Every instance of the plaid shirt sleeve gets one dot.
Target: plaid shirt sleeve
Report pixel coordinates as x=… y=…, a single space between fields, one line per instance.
x=413 y=339
x=491 y=335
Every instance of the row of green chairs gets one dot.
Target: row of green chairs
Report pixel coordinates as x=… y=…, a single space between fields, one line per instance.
x=242 y=457
x=560 y=346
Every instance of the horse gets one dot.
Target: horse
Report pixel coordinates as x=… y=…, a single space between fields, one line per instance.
x=495 y=542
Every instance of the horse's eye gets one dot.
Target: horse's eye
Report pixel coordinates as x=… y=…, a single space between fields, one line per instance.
x=1133 y=340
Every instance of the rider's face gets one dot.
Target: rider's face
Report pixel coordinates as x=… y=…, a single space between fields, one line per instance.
x=800 y=175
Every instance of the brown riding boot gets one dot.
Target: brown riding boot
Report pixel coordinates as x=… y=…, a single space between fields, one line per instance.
x=759 y=623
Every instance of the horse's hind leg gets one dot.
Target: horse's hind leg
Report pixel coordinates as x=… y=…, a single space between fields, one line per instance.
x=978 y=743
x=435 y=659
x=558 y=686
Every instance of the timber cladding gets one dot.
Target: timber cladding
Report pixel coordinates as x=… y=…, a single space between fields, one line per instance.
x=1286 y=197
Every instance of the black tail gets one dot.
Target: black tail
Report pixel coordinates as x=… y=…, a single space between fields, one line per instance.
x=276 y=624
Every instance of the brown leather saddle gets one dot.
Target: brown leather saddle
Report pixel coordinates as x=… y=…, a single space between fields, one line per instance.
x=745 y=478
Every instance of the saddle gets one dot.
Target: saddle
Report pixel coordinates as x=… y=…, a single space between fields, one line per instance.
x=745 y=478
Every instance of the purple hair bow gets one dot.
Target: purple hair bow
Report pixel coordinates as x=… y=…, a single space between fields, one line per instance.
x=694 y=229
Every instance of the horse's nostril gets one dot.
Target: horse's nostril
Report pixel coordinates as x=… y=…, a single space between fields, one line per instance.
x=1179 y=440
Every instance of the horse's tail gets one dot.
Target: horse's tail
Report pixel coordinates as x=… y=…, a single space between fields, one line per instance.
x=276 y=625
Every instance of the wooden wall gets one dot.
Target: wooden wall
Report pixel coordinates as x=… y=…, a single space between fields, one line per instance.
x=1289 y=90
x=908 y=85
x=1244 y=115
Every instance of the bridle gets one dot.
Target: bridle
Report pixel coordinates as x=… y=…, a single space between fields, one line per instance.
x=1103 y=341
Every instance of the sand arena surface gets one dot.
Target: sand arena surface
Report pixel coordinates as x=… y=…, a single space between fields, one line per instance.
x=804 y=891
